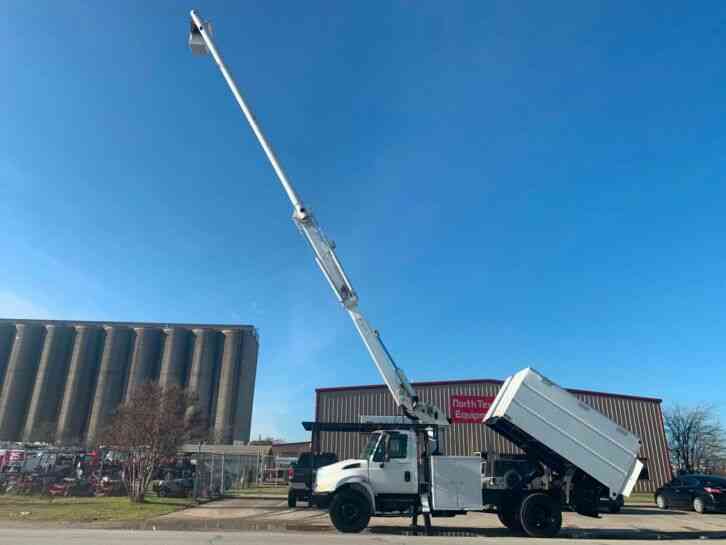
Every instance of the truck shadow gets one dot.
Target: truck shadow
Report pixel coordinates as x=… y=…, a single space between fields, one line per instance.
x=579 y=533
x=646 y=511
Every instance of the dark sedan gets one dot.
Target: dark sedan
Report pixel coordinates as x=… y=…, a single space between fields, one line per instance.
x=701 y=493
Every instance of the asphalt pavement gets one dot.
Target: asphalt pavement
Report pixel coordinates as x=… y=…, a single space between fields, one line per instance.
x=26 y=536
x=634 y=523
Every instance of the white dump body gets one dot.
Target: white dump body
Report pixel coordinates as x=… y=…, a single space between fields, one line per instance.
x=575 y=431
x=456 y=483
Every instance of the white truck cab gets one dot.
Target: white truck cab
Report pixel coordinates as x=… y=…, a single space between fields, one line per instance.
x=386 y=472
x=395 y=475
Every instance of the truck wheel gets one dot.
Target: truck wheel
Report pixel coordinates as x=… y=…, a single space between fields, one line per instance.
x=291 y=499
x=350 y=512
x=540 y=515
x=508 y=513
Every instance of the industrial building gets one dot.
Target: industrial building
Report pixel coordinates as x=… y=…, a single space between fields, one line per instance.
x=61 y=381
x=466 y=401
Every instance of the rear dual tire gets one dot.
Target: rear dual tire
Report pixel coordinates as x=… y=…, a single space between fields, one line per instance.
x=540 y=515
x=509 y=517
x=537 y=515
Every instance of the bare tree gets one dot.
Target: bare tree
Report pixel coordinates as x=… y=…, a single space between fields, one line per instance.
x=696 y=439
x=151 y=425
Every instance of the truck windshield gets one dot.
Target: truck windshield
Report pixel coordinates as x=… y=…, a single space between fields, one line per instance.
x=370 y=447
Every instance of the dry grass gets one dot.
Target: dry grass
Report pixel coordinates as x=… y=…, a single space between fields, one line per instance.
x=260 y=491
x=640 y=497
x=86 y=509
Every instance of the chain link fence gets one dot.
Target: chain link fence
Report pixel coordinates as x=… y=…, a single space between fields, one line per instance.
x=218 y=475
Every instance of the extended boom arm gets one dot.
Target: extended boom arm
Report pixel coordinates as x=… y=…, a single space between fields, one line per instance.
x=200 y=41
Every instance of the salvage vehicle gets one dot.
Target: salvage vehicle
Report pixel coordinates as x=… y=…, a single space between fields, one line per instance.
x=402 y=471
x=174 y=488
x=72 y=488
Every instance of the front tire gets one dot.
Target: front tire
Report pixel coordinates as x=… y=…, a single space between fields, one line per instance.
x=699 y=506
x=350 y=512
x=540 y=515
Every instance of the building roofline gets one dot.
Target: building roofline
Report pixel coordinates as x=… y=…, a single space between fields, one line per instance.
x=292 y=444
x=71 y=323
x=479 y=381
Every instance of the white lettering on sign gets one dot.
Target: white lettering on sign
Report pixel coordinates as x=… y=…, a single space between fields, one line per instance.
x=469 y=409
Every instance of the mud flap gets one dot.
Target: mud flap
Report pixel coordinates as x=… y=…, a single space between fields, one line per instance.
x=583 y=493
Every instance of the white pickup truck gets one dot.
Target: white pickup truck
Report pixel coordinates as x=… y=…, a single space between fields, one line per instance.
x=577 y=453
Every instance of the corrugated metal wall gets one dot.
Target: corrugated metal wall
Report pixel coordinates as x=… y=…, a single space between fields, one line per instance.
x=642 y=416
x=61 y=381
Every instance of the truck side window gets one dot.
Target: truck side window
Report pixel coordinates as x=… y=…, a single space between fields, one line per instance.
x=397 y=446
x=380 y=454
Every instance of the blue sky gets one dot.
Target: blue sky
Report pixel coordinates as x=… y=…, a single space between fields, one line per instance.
x=508 y=185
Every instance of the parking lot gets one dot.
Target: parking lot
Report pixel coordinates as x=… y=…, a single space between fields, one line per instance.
x=639 y=521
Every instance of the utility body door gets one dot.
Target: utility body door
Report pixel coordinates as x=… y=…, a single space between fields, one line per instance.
x=393 y=467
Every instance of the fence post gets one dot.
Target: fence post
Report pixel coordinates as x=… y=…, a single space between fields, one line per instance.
x=221 y=478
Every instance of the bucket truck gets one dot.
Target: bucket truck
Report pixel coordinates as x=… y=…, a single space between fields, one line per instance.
x=576 y=451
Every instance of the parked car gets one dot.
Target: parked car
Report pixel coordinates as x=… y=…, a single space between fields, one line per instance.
x=72 y=487
x=176 y=488
x=301 y=475
x=701 y=493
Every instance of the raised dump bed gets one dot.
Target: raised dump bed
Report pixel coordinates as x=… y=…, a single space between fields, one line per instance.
x=552 y=425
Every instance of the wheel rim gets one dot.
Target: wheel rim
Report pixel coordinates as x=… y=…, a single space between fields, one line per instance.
x=541 y=517
x=661 y=503
x=350 y=512
x=698 y=504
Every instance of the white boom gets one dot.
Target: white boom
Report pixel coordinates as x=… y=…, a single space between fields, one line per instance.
x=200 y=41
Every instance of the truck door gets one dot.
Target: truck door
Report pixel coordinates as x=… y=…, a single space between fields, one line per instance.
x=393 y=467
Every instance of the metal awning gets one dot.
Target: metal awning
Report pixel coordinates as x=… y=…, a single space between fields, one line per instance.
x=357 y=427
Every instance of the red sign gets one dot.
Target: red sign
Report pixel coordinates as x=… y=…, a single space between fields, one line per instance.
x=465 y=409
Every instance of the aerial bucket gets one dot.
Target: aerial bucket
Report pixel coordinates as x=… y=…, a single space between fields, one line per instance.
x=196 y=41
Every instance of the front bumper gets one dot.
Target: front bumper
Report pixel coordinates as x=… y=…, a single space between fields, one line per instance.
x=323 y=499
x=715 y=503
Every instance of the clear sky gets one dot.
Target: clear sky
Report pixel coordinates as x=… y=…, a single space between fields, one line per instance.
x=538 y=184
